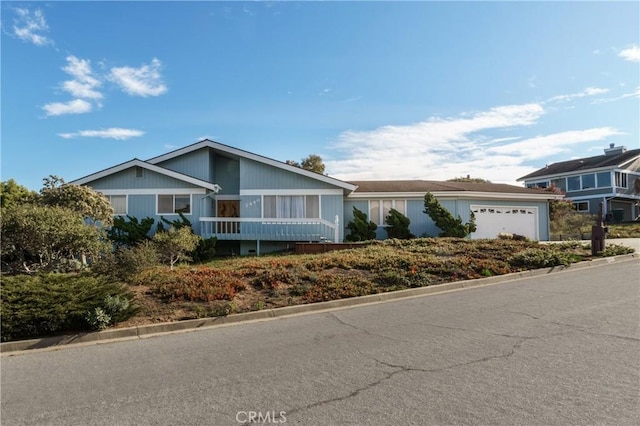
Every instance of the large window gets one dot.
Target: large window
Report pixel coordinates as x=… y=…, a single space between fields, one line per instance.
x=291 y=206
x=573 y=183
x=173 y=204
x=604 y=179
x=119 y=203
x=588 y=181
x=621 y=180
x=560 y=183
x=379 y=209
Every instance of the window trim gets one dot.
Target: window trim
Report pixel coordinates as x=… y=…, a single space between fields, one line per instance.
x=158 y=213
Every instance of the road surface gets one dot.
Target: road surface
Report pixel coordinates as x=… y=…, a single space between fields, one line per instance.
x=554 y=350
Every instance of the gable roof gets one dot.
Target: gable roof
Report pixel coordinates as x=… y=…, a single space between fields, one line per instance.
x=582 y=164
x=139 y=163
x=206 y=143
x=417 y=188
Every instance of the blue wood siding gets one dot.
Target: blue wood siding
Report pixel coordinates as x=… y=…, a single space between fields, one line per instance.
x=332 y=206
x=251 y=206
x=194 y=164
x=126 y=179
x=257 y=175
x=142 y=206
x=422 y=225
x=226 y=173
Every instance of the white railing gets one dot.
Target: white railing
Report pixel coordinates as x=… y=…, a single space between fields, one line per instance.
x=269 y=229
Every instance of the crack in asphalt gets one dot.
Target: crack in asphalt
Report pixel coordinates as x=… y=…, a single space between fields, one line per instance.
x=364 y=330
x=399 y=368
x=588 y=330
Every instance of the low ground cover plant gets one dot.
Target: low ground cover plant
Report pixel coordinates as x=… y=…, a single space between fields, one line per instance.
x=231 y=285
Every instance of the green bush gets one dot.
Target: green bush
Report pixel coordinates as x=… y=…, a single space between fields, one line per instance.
x=398 y=225
x=443 y=219
x=361 y=229
x=615 y=250
x=540 y=258
x=47 y=304
x=125 y=262
x=130 y=231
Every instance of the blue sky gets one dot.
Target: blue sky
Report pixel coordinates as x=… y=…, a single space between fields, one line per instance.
x=381 y=90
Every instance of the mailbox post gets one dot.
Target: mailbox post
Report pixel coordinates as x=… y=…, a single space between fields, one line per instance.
x=598 y=234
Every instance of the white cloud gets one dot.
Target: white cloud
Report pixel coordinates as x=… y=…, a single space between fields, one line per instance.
x=111 y=133
x=634 y=94
x=589 y=91
x=438 y=148
x=144 y=81
x=444 y=148
x=28 y=26
x=549 y=145
x=84 y=83
x=76 y=106
x=631 y=53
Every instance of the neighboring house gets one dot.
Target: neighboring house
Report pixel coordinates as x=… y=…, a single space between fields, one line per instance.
x=612 y=179
x=255 y=204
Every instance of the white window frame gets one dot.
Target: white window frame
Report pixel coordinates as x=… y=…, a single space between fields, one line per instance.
x=126 y=203
x=381 y=216
x=576 y=205
x=598 y=184
x=158 y=213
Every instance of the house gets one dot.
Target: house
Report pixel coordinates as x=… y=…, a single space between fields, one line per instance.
x=612 y=179
x=255 y=204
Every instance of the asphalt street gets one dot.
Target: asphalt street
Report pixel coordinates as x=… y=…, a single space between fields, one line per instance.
x=559 y=349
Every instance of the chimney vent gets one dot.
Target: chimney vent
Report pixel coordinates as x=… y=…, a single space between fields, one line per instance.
x=615 y=150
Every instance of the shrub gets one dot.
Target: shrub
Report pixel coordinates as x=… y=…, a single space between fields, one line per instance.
x=46 y=304
x=539 y=258
x=332 y=287
x=46 y=238
x=398 y=225
x=616 y=250
x=443 y=219
x=174 y=244
x=360 y=228
x=125 y=262
x=130 y=231
x=205 y=251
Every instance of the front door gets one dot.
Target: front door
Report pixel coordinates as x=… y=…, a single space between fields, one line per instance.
x=228 y=208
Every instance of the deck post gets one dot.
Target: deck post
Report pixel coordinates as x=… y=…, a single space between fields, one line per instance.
x=257 y=247
x=336 y=231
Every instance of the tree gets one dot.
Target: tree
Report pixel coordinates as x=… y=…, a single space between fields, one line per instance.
x=449 y=225
x=130 y=231
x=90 y=204
x=312 y=163
x=361 y=228
x=11 y=193
x=36 y=237
x=398 y=225
x=469 y=179
x=174 y=244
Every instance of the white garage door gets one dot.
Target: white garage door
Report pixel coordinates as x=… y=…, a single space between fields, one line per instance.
x=493 y=220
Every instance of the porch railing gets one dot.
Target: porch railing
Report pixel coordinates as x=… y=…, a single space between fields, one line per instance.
x=267 y=229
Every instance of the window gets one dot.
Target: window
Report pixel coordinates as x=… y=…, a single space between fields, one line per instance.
x=604 y=179
x=292 y=206
x=173 y=204
x=573 y=183
x=119 y=203
x=379 y=209
x=621 y=180
x=543 y=184
x=581 y=206
x=588 y=181
x=561 y=183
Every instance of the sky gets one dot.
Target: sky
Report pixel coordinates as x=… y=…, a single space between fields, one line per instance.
x=380 y=90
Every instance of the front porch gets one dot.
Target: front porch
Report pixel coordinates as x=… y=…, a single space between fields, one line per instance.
x=269 y=229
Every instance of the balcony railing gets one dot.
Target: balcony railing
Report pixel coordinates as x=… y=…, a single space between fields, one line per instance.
x=267 y=229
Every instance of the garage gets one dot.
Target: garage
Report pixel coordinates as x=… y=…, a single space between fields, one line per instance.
x=493 y=220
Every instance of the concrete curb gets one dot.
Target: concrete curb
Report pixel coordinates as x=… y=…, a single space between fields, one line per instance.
x=172 y=327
